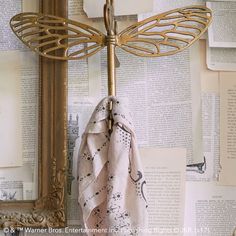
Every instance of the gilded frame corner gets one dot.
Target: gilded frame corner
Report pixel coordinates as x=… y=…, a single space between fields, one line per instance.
x=49 y=210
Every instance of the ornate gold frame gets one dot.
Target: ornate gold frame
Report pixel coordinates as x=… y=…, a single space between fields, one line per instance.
x=49 y=209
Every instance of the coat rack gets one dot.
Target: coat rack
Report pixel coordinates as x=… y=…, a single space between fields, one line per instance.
x=160 y=35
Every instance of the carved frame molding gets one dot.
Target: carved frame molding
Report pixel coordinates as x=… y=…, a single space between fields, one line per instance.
x=49 y=209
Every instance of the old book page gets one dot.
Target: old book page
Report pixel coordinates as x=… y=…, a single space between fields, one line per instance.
x=221 y=59
x=122 y=7
x=221 y=51
x=12 y=181
x=76 y=12
x=222 y=31
x=160 y=6
x=227 y=128
x=209 y=209
x=210 y=99
x=165 y=175
x=10 y=113
x=8 y=41
x=30 y=5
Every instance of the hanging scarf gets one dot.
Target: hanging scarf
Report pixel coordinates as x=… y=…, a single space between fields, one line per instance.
x=110 y=176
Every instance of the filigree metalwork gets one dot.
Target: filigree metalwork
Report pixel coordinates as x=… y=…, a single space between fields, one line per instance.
x=47 y=35
x=48 y=211
x=160 y=35
x=167 y=33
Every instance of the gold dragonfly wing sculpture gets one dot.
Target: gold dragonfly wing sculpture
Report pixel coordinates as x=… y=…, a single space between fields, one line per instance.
x=160 y=35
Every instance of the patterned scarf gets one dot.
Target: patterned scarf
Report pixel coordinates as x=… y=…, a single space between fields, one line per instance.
x=110 y=178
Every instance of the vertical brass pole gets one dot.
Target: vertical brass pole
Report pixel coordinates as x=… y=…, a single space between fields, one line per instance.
x=111 y=35
x=111 y=70
x=111 y=80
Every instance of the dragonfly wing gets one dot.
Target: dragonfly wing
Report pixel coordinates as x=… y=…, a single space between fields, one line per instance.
x=167 y=33
x=56 y=37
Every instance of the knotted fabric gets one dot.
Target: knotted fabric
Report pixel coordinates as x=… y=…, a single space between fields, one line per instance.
x=110 y=177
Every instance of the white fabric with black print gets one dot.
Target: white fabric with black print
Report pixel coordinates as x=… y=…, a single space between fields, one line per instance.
x=110 y=177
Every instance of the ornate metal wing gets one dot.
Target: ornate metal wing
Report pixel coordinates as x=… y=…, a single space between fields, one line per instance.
x=55 y=37
x=167 y=33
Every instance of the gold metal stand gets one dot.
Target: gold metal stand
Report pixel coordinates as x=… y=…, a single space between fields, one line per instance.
x=160 y=35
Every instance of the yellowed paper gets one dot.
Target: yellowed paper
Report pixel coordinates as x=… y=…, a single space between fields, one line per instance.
x=228 y=128
x=29 y=191
x=94 y=69
x=12 y=181
x=221 y=32
x=10 y=114
x=165 y=171
x=210 y=122
x=122 y=7
x=30 y=5
x=76 y=12
x=209 y=79
x=160 y=6
x=209 y=209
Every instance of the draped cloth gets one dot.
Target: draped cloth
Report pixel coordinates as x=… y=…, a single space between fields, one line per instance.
x=110 y=177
